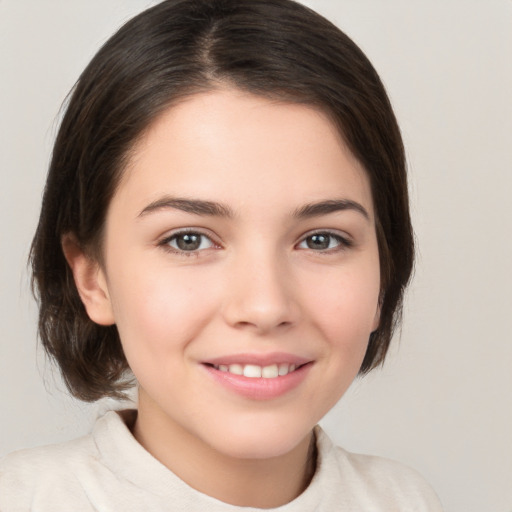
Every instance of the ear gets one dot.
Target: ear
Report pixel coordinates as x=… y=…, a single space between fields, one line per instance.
x=90 y=281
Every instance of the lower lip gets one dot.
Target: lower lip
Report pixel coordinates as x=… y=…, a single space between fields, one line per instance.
x=259 y=388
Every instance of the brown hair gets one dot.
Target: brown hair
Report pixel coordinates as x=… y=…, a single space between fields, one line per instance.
x=275 y=48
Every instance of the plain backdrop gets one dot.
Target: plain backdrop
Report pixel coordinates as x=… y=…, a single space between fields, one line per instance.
x=443 y=401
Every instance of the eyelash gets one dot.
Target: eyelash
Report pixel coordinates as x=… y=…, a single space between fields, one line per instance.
x=165 y=243
x=342 y=242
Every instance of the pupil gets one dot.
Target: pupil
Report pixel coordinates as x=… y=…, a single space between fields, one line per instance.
x=318 y=242
x=189 y=242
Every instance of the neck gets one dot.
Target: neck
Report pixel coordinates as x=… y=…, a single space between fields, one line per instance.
x=259 y=483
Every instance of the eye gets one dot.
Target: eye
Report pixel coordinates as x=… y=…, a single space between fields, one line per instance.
x=188 y=241
x=324 y=242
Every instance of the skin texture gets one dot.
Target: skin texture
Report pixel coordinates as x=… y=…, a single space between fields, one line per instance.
x=254 y=286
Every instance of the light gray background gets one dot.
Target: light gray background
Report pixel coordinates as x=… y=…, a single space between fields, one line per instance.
x=443 y=402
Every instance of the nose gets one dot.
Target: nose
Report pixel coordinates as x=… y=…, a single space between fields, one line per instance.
x=260 y=295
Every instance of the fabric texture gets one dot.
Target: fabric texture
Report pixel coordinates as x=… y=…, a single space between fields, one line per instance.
x=109 y=471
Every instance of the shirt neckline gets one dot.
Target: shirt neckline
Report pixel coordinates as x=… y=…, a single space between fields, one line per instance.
x=125 y=457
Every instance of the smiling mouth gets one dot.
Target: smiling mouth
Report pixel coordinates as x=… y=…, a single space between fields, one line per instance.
x=254 y=371
x=275 y=376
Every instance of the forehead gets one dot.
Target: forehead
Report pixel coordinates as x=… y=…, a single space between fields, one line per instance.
x=234 y=146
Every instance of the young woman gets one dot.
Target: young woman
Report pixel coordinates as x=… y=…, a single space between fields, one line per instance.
x=225 y=222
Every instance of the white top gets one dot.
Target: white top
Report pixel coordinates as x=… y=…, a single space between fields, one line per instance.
x=108 y=470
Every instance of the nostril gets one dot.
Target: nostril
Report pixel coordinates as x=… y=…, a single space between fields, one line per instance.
x=244 y=324
x=262 y=326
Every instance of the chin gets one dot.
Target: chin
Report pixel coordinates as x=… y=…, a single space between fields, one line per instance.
x=257 y=439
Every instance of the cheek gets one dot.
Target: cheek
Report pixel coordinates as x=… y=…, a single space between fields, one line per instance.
x=345 y=306
x=342 y=314
x=159 y=311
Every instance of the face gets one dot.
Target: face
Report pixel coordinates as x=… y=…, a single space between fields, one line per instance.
x=241 y=268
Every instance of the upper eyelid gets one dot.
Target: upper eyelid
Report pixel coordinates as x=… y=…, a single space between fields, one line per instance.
x=165 y=239
x=343 y=235
x=344 y=243
x=183 y=231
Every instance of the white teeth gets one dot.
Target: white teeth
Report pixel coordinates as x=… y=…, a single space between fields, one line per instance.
x=237 y=369
x=270 y=372
x=254 y=371
x=284 y=369
x=251 y=370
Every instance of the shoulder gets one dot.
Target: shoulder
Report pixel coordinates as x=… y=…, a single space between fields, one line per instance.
x=379 y=483
x=43 y=460
x=79 y=475
x=41 y=474
x=395 y=480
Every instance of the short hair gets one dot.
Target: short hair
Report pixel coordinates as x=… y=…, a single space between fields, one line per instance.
x=277 y=49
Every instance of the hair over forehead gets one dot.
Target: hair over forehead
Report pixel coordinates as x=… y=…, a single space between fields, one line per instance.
x=274 y=48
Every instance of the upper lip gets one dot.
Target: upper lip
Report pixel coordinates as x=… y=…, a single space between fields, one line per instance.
x=258 y=359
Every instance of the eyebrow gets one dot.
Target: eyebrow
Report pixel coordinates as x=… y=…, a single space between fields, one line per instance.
x=195 y=206
x=214 y=209
x=330 y=206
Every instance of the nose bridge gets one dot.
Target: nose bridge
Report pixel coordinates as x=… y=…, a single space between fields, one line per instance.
x=260 y=295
